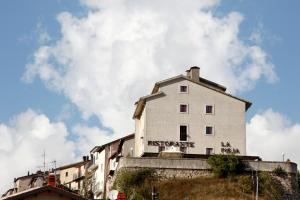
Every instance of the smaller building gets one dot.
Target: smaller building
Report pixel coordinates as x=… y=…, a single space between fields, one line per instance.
x=45 y=192
x=27 y=182
x=105 y=161
x=72 y=175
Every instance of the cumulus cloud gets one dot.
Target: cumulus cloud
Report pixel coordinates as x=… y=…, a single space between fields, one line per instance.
x=269 y=134
x=23 y=141
x=108 y=58
x=88 y=137
x=29 y=133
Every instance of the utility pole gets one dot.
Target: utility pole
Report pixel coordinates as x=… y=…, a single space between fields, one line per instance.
x=256 y=185
x=257 y=180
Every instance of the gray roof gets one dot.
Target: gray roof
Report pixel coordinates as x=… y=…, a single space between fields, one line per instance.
x=140 y=104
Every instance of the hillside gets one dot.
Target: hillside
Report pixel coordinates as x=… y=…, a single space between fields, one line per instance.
x=138 y=184
x=204 y=189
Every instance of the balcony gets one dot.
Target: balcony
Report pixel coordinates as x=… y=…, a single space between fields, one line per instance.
x=77 y=176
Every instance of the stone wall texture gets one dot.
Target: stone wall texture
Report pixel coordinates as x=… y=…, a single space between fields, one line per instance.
x=192 y=168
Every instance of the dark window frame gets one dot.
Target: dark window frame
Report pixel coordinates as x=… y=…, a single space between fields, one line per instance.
x=183 y=89
x=209 y=109
x=183 y=133
x=183 y=108
x=209 y=151
x=209 y=130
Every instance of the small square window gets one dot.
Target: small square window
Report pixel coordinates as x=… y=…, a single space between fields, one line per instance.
x=209 y=151
x=209 y=109
x=183 y=133
x=183 y=89
x=183 y=149
x=183 y=108
x=209 y=130
x=67 y=174
x=161 y=148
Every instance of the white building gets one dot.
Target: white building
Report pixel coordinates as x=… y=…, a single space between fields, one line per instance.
x=191 y=113
x=105 y=160
x=186 y=112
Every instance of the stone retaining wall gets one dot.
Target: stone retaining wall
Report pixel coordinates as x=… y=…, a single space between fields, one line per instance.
x=167 y=168
x=199 y=164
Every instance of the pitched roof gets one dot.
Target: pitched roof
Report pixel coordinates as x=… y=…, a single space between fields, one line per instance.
x=100 y=148
x=203 y=82
x=38 y=173
x=35 y=191
x=77 y=164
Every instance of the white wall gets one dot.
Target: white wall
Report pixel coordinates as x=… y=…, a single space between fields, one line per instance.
x=99 y=173
x=140 y=130
x=162 y=119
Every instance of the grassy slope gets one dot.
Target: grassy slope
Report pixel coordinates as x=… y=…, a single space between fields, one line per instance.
x=202 y=189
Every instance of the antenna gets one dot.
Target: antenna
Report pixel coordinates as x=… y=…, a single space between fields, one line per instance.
x=44 y=162
x=44 y=155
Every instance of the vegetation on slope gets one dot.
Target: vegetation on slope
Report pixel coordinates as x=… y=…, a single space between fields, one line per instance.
x=228 y=183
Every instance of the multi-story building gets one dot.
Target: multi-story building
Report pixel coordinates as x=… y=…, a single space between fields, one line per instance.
x=185 y=113
x=191 y=114
x=72 y=175
x=105 y=160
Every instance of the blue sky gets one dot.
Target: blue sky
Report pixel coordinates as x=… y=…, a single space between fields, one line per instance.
x=70 y=98
x=20 y=19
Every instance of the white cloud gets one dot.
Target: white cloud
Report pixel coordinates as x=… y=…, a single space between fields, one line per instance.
x=88 y=137
x=23 y=141
x=29 y=133
x=269 y=134
x=107 y=59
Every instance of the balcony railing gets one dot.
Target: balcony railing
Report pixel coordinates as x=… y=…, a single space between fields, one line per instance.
x=77 y=175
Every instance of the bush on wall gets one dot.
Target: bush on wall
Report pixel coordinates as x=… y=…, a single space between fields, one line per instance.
x=137 y=184
x=223 y=165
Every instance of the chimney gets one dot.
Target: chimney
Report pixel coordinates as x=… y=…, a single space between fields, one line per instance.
x=193 y=73
x=51 y=180
x=188 y=74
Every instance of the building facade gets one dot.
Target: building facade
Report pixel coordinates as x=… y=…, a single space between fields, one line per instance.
x=72 y=175
x=193 y=115
x=105 y=159
x=187 y=114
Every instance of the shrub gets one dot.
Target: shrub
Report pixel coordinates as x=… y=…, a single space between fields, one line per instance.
x=224 y=165
x=270 y=187
x=245 y=182
x=279 y=171
x=136 y=184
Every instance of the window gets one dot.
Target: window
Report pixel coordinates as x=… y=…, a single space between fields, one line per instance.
x=183 y=133
x=183 y=89
x=161 y=148
x=209 y=130
x=183 y=108
x=209 y=151
x=67 y=174
x=209 y=109
x=183 y=149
